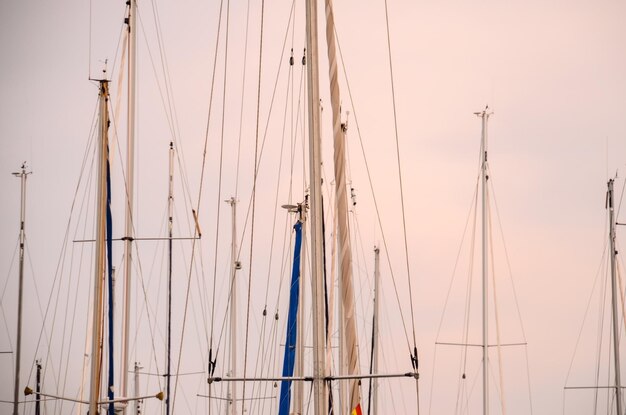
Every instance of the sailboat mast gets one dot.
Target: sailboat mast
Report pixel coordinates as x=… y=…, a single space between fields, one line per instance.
x=170 y=226
x=96 y=338
x=136 y=391
x=298 y=395
x=320 y=391
x=484 y=115
x=130 y=180
x=38 y=388
x=232 y=386
x=614 y=305
x=18 y=356
x=375 y=328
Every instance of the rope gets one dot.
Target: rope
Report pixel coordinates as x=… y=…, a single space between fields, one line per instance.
x=495 y=303
x=218 y=200
x=261 y=346
x=172 y=123
x=395 y=124
x=6 y=282
x=243 y=88
x=254 y=183
x=621 y=198
x=198 y=204
x=278 y=180
x=371 y=186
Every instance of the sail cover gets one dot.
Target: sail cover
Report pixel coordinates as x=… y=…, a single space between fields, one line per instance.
x=292 y=327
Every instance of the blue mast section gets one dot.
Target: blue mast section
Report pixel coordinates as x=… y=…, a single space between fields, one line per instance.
x=109 y=230
x=292 y=327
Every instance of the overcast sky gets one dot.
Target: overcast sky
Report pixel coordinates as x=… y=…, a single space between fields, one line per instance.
x=554 y=74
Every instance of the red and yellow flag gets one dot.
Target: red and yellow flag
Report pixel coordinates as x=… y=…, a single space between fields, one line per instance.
x=357 y=410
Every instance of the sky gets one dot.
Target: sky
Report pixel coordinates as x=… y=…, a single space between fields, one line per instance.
x=553 y=73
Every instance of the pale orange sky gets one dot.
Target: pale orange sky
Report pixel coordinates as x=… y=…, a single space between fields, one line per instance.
x=553 y=73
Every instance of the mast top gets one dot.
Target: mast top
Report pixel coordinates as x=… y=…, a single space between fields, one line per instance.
x=484 y=112
x=23 y=172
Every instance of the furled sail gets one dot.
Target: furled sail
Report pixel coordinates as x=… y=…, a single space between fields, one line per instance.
x=292 y=327
x=351 y=358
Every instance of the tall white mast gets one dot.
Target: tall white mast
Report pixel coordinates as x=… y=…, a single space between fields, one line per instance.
x=320 y=392
x=170 y=233
x=130 y=180
x=18 y=356
x=484 y=115
x=298 y=395
x=96 y=339
x=614 y=305
x=232 y=386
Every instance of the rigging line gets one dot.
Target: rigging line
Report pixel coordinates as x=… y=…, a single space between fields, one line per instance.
x=470 y=271
x=621 y=289
x=61 y=263
x=588 y=307
x=278 y=177
x=395 y=123
x=458 y=255
x=254 y=184
x=220 y=170
x=243 y=89
x=619 y=206
x=385 y=362
x=6 y=282
x=3 y=312
x=89 y=40
x=293 y=106
x=204 y=156
x=361 y=266
x=495 y=303
x=223 y=325
x=47 y=337
x=506 y=255
x=199 y=333
x=602 y=304
x=272 y=339
x=163 y=89
x=304 y=124
x=117 y=50
x=265 y=343
x=265 y=131
x=140 y=274
x=82 y=210
x=371 y=185
x=171 y=105
x=461 y=386
x=140 y=271
x=294 y=139
x=530 y=400
x=120 y=80
x=432 y=381
x=260 y=351
x=179 y=154
x=166 y=76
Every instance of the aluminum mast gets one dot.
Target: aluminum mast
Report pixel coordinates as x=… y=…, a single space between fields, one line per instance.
x=130 y=180
x=320 y=390
x=614 y=290
x=484 y=115
x=170 y=226
x=231 y=394
x=16 y=392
